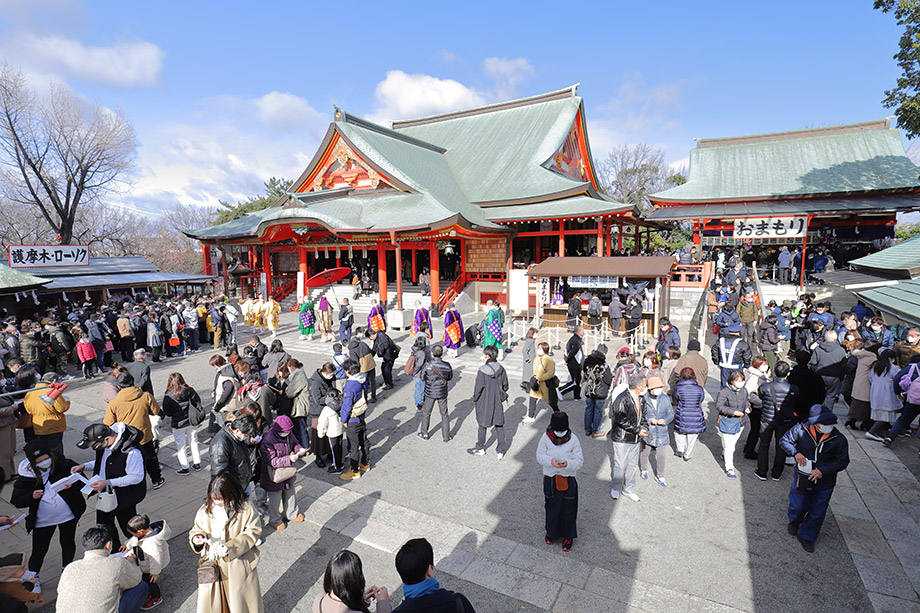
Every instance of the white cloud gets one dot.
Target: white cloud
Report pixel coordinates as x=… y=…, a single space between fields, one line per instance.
x=507 y=74
x=639 y=108
x=401 y=95
x=284 y=111
x=447 y=56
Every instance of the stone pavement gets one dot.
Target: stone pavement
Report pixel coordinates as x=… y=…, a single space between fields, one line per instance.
x=705 y=543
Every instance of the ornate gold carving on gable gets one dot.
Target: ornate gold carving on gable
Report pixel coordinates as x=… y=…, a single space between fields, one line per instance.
x=568 y=159
x=345 y=169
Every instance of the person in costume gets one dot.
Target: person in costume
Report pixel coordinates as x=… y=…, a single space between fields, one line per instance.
x=258 y=315
x=246 y=307
x=492 y=330
x=377 y=319
x=272 y=312
x=453 y=330
x=421 y=316
x=307 y=319
x=324 y=320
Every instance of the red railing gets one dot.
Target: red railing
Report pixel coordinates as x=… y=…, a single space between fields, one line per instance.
x=284 y=290
x=691 y=275
x=452 y=291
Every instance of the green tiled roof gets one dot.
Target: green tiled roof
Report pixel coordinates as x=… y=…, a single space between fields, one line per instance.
x=12 y=280
x=901 y=260
x=845 y=159
x=901 y=300
x=576 y=206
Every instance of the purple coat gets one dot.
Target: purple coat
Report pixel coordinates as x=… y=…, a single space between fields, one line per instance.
x=277 y=452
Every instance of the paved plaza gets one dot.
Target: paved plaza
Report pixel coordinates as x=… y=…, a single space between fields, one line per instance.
x=705 y=543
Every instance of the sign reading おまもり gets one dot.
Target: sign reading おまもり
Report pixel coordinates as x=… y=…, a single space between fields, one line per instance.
x=46 y=256
x=770 y=227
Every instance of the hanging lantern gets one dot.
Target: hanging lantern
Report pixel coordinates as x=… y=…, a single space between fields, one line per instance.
x=327 y=253
x=17 y=296
x=350 y=254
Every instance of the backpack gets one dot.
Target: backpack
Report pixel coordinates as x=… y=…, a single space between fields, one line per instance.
x=410 y=366
x=908 y=377
x=594 y=379
x=594 y=308
x=910 y=383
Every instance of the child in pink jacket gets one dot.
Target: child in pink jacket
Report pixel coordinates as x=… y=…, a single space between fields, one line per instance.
x=87 y=355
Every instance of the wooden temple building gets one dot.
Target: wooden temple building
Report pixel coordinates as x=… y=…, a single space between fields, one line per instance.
x=468 y=195
x=830 y=186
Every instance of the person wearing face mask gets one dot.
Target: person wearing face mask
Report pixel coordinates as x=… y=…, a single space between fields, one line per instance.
x=727 y=317
x=280 y=451
x=829 y=360
x=658 y=412
x=909 y=347
x=560 y=455
x=321 y=382
x=884 y=395
x=47 y=510
x=233 y=450
x=757 y=373
x=542 y=384
x=876 y=331
x=119 y=464
x=628 y=426
x=226 y=530
x=651 y=366
x=820 y=452
x=731 y=403
x=731 y=353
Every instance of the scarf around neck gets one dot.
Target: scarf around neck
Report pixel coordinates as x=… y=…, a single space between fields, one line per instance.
x=556 y=440
x=417 y=590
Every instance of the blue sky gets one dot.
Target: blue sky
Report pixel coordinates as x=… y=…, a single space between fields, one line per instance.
x=225 y=95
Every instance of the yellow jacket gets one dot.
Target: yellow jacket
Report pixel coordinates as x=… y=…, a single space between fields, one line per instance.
x=46 y=419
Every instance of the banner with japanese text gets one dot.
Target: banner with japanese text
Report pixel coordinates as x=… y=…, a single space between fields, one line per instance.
x=47 y=256
x=770 y=227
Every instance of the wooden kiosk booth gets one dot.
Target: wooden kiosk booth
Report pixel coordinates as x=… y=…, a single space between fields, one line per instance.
x=558 y=279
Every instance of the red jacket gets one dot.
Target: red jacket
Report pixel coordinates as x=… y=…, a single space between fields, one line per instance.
x=86 y=351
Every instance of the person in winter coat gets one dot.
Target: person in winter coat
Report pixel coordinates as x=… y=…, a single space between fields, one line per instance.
x=769 y=339
x=437 y=375
x=731 y=403
x=909 y=347
x=86 y=353
x=226 y=384
x=134 y=407
x=280 y=450
x=731 y=353
x=489 y=395
x=820 y=453
x=119 y=464
x=727 y=317
x=180 y=403
x=298 y=390
x=422 y=354
x=828 y=360
x=227 y=528
x=595 y=311
x=560 y=455
x=48 y=510
x=633 y=316
x=694 y=360
x=59 y=349
x=544 y=376
x=598 y=381
x=321 y=382
x=668 y=336
x=528 y=355
x=48 y=421
x=810 y=384
x=758 y=372
x=658 y=413
x=778 y=413
x=668 y=370
x=574 y=356
x=749 y=316
x=615 y=313
x=421 y=590
x=689 y=422
x=233 y=450
x=274 y=357
x=385 y=349
x=361 y=353
x=627 y=427
x=860 y=404
x=329 y=428
x=255 y=394
x=876 y=331
x=882 y=397
x=155 y=337
x=140 y=370
x=346 y=320
x=573 y=313
x=152 y=539
x=353 y=419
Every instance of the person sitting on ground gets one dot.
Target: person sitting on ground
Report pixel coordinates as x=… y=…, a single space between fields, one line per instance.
x=422 y=591
x=152 y=538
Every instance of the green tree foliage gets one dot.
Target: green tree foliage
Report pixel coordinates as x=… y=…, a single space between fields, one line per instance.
x=906 y=231
x=275 y=188
x=905 y=97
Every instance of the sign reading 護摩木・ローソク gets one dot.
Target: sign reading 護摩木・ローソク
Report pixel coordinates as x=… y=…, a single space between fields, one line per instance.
x=46 y=256
x=770 y=227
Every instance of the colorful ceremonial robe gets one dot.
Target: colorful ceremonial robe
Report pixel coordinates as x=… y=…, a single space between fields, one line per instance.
x=272 y=311
x=324 y=320
x=453 y=329
x=376 y=319
x=258 y=313
x=422 y=315
x=246 y=307
x=492 y=332
x=307 y=318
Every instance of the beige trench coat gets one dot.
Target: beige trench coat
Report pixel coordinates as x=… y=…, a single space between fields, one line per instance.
x=865 y=360
x=238 y=568
x=544 y=369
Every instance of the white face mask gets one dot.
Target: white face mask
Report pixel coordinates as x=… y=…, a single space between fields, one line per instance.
x=912 y=339
x=876 y=328
x=737 y=386
x=765 y=369
x=257 y=439
x=217 y=503
x=559 y=434
x=284 y=434
x=44 y=464
x=539 y=351
x=655 y=392
x=825 y=428
x=648 y=363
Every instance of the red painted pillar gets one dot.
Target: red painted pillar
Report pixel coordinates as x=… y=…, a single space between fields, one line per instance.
x=600 y=237
x=561 y=238
x=607 y=225
x=206 y=259
x=435 y=274
x=462 y=256
x=267 y=269
x=414 y=266
x=619 y=235
x=382 y=273
x=399 y=302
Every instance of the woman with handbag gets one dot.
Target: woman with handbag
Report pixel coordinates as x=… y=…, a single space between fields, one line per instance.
x=560 y=455
x=280 y=452
x=226 y=529
x=543 y=383
x=298 y=391
x=182 y=405
x=731 y=403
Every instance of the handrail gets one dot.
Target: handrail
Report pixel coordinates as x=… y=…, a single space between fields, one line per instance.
x=452 y=291
x=284 y=290
x=701 y=312
x=683 y=274
x=763 y=304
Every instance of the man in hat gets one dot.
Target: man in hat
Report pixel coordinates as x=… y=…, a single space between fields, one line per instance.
x=731 y=352
x=119 y=466
x=695 y=361
x=820 y=452
x=134 y=407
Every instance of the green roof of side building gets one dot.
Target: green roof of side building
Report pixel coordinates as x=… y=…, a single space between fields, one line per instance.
x=901 y=300
x=13 y=281
x=835 y=160
x=901 y=260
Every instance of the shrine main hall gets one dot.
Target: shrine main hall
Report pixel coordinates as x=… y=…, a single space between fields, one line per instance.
x=467 y=195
